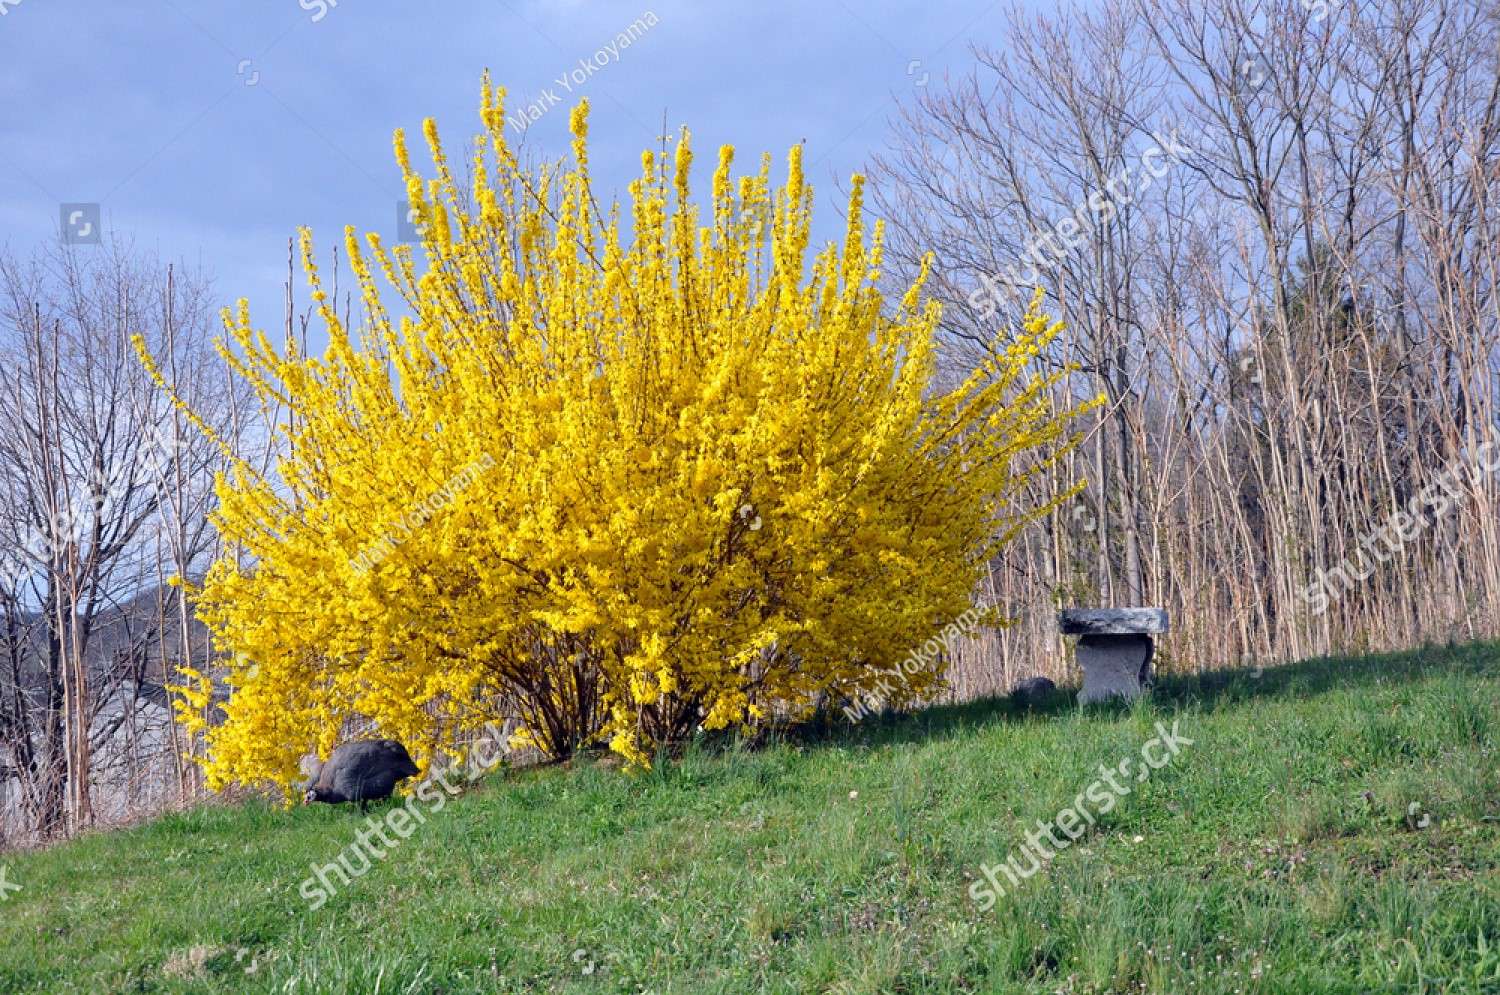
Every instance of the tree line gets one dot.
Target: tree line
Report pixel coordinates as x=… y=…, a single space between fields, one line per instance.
x=1292 y=312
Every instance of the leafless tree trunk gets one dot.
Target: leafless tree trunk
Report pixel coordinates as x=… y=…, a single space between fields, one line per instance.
x=92 y=483
x=1295 y=323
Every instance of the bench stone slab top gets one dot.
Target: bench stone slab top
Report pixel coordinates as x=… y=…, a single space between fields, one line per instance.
x=1111 y=621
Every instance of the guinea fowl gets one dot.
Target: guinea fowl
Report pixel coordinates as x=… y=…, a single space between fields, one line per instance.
x=364 y=772
x=1032 y=691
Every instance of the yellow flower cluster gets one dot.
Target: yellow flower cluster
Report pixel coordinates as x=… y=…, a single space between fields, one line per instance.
x=719 y=484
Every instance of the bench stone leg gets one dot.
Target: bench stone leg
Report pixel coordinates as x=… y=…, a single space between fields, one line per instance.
x=1114 y=666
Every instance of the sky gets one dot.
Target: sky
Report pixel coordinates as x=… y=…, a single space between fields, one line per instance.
x=208 y=132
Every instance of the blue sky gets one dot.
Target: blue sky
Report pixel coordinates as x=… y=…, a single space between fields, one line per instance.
x=209 y=131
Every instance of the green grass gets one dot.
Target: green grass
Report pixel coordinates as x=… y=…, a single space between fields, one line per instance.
x=1282 y=852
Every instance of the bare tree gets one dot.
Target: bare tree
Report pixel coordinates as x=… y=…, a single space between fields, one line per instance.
x=96 y=482
x=1294 y=324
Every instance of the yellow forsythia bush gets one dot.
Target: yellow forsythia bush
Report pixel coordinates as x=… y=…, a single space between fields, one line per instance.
x=635 y=476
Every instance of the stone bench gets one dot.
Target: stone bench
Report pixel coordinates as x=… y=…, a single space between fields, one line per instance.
x=1115 y=648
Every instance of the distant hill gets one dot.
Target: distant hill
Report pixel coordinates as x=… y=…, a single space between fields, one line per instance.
x=119 y=628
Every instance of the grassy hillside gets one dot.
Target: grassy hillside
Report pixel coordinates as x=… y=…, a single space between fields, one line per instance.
x=1332 y=828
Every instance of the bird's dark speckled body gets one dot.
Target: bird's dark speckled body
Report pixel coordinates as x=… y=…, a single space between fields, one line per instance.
x=363 y=772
